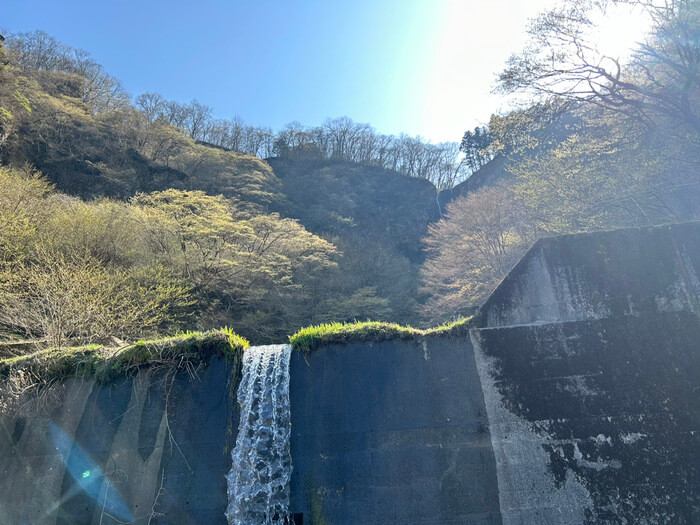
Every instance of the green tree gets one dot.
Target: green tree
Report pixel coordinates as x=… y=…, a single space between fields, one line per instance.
x=476 y=146
x=69 y=300
x=607 y=171
x=246 y=271
x=75 y=272
x=24 y=195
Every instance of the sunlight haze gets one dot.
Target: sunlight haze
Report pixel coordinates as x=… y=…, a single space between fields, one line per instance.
x=418 y=67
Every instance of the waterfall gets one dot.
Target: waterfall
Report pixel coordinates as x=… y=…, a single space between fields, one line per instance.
x=258 y=483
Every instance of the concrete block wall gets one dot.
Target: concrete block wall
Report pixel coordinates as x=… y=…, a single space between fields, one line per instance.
x=390 y=433
x=150 y=449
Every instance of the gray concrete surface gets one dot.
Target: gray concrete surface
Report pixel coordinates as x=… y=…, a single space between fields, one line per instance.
x=391 y=433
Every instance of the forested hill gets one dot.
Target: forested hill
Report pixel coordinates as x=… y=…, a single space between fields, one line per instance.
x=377 y=218
x=181 y=233
x=87 y=139
x=125 y=217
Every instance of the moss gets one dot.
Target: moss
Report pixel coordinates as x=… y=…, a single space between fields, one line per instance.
x=193 y=348
x=317 y=514
x=106 y=364
x=452 y=329
x=308 y=339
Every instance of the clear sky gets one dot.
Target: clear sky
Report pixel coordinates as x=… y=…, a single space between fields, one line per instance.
x=424 y=67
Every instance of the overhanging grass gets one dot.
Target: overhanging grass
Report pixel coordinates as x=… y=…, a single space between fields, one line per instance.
x=453 y=328
x=310 y=338
x=193 y=348
x=102 y=363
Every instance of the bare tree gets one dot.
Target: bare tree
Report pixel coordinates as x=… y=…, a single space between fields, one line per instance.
x=152 y=105
x=39 y=52
x=470 y=250
x=660 y=81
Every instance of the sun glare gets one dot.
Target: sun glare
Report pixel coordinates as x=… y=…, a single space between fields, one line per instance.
x=620 y=30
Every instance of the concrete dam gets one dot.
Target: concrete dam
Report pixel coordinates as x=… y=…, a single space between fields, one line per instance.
x=574 y=397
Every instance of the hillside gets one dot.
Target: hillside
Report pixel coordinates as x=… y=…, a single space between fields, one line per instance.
x=377 y=218
x=156 y=199
x=183 y=233
x=358 y=202
x=113 y=151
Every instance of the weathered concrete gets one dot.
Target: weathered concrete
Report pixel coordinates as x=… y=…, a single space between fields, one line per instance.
x=588 y=354
x=145 y=450
x=382 y=433
x=391 y=433
x=621 y=273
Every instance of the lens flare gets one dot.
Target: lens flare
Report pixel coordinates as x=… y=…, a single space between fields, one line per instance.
x=87 y=474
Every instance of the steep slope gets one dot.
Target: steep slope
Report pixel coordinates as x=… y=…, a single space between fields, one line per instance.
x=360 y=201
x=376 y=217
x=114 y=152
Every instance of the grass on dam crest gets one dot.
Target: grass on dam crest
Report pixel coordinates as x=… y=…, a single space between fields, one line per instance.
x=312 y=337
x=193 y=348
x=102 y=363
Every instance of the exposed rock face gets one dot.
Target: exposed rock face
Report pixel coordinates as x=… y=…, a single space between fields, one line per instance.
x=590 y=350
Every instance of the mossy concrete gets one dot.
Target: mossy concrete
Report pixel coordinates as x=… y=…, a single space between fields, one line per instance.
x=589 y=358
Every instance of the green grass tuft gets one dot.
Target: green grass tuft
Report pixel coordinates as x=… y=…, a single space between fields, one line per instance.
x=310 y=338
x=101 y=363
x=193 y=348
x=453 y=328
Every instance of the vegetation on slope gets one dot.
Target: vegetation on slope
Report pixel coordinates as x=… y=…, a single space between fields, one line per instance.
x=61 y=113
x=606 y=143
x=74 y=272
x=376 y=218
x=192 y=243
x=202 y=236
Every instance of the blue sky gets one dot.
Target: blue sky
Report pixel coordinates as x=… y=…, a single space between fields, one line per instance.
x=424 y=67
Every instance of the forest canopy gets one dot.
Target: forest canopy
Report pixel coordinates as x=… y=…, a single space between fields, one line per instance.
x=124 y=217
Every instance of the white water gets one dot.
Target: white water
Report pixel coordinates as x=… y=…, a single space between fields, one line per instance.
x=258 y=483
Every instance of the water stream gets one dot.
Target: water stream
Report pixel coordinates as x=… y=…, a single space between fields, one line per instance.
x=258 y=483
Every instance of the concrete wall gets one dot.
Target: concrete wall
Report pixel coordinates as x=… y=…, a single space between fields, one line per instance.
x=604 y=275
x=381 y=433
x=574 y=400
x=588 y=355
x=391 y=433
x=145 y=450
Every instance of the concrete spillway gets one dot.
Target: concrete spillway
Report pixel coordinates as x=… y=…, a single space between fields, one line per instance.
x=258 y=483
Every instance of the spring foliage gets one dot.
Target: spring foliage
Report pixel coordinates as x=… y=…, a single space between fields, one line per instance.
x=74 y=272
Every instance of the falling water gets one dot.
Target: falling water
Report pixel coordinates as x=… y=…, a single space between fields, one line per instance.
x=258 y=484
